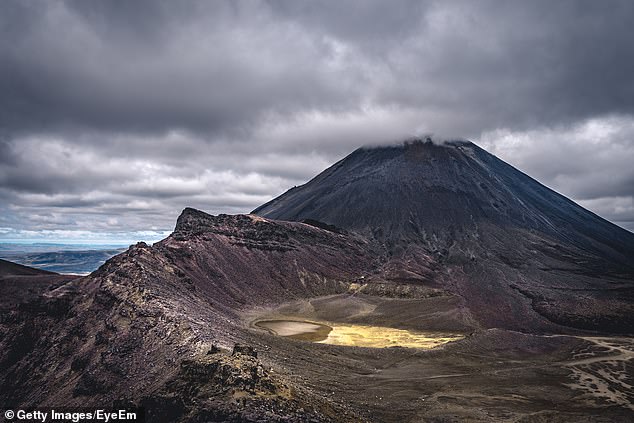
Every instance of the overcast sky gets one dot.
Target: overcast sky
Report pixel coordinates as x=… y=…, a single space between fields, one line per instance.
x=114 y=116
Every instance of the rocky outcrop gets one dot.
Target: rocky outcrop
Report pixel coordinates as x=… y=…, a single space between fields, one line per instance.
x=232 y=387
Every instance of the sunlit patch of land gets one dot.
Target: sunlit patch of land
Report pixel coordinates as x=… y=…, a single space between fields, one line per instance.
x=383 y=337
x=355 y=335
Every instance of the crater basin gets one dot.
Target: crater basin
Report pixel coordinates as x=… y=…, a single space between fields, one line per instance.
x=355 y=335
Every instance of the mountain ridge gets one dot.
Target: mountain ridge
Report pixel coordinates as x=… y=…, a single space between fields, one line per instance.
x=446 y=190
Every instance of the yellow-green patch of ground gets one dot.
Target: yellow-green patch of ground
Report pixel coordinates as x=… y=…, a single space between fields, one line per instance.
x=383 y=337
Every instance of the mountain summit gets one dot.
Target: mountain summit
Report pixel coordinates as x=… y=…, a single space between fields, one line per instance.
x=515 y=251
x=440 y=194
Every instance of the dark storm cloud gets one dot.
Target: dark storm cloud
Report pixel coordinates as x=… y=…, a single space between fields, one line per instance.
x=6 y=154
x=203 y=68
x=212 y=66
x=123 y=109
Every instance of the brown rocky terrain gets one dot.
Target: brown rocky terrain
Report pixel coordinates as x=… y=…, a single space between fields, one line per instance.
x=161 y=322
x=546 y=312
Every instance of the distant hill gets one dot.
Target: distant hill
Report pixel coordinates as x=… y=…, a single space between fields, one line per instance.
x=61 y=260
x=20 y=284
x=8 y=268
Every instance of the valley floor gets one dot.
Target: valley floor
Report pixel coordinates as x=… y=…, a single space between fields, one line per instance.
x=490 y=375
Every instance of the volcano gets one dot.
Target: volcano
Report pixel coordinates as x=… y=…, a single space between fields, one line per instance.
x=440 y=195
x=417 y=282
x=481 y=218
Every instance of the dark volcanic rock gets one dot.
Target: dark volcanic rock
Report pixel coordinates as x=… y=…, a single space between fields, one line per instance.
x=244 y=350
x=438 y=194
x=493 y=227
x=241 y=260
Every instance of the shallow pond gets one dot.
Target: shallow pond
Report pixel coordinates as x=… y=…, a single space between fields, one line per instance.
x=355 y=335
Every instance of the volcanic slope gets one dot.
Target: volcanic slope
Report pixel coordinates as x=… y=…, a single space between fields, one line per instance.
x=20 y=283
x=157 y=326
x=511 y=248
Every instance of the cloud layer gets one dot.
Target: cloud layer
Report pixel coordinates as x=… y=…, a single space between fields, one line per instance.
x=114 y=116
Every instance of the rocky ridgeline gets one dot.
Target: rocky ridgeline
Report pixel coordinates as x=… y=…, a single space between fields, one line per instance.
x=126 y=335
x=252 y=231
x=137 y=330
x=243 y=230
